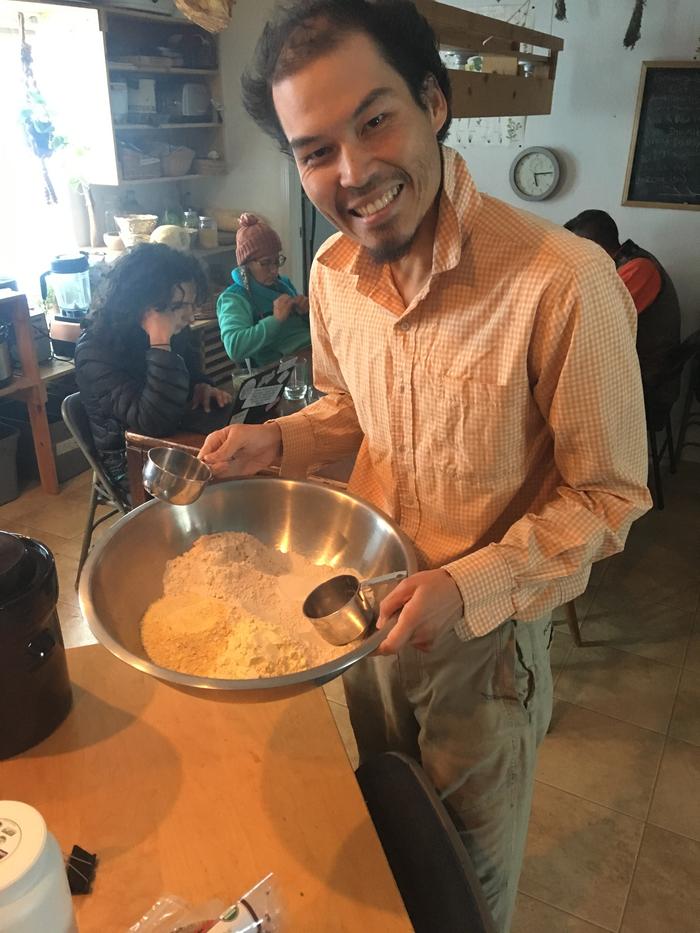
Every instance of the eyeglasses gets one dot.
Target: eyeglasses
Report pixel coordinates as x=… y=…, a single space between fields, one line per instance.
x=271 y=263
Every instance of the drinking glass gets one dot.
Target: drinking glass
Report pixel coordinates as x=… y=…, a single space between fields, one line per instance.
x=298 y=383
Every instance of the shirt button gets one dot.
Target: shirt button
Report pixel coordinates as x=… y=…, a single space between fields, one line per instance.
x=404 y=326
x=401 y=388
x=402 y=449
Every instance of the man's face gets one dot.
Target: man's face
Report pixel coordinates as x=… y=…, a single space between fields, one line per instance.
x=367 y=154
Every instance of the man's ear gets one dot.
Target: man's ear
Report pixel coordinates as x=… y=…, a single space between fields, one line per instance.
x=435 y=102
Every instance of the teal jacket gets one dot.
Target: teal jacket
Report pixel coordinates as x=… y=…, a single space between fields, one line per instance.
x=249 y=330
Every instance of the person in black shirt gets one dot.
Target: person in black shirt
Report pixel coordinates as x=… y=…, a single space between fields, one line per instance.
x=135 y=366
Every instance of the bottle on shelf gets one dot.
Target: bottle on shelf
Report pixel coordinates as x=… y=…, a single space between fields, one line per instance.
x=192 y=225
x=174 y=215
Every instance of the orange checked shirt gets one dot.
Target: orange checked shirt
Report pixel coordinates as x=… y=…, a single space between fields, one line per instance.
x=499 y=417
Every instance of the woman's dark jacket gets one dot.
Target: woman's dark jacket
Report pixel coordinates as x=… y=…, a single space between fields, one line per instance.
x=129 y=386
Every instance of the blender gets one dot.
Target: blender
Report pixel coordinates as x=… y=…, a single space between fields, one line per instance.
x=69 y=277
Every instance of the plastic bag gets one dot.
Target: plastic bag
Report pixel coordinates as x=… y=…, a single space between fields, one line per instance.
x=258 y=911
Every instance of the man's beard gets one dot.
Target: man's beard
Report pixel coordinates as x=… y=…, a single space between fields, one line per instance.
x=391 y=250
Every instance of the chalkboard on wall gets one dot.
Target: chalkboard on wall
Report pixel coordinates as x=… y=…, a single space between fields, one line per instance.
x=663 y=169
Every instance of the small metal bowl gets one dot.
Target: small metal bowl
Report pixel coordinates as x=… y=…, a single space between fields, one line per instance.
x=174 y=476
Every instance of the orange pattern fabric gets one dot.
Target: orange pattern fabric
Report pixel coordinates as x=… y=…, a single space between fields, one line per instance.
x=643 y=281
x=499 y=417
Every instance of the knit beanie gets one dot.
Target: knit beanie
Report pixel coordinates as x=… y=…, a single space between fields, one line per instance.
x=255 y=240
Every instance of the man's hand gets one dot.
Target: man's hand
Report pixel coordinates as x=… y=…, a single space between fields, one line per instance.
x=429 y=603
x=203 y=395
x=282 y=307
x=301 y=305
x=242 y=449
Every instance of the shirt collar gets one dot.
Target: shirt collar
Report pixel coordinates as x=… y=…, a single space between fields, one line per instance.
x=460 y=203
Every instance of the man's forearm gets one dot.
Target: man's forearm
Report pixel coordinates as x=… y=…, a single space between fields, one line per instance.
x=324 y=432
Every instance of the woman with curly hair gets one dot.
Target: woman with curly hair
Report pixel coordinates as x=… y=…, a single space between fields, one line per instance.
x=135 y=368
x=261 y=316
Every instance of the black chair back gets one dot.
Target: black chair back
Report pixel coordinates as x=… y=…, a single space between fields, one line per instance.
x=76 y=419
x=431 y=866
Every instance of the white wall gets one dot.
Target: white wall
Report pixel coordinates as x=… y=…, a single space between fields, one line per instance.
x=258 y=180
x=590 y=126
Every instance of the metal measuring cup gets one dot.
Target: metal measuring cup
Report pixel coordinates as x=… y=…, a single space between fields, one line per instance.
x=339 y=609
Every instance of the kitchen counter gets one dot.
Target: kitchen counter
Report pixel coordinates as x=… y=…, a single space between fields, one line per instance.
x=186 y=795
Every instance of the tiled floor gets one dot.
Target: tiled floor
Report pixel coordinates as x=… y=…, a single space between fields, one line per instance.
x=614 y=839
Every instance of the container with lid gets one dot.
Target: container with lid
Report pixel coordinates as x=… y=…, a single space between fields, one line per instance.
x=34 y=891
x=208 y=233
x=70 y=279
x=35 y=691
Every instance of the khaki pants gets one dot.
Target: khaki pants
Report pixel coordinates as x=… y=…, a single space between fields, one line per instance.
x=473 y=714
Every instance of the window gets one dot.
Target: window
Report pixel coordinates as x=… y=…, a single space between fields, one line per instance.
x=68 y=64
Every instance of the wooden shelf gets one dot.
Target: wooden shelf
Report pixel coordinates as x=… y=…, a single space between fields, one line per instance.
x=214 y=252
x=149 y=128
x=161 y=69
x=18 y=384
x=161 y=179
x=28 y=386
x=487 y=94
x=479 y=94
x=55 y=369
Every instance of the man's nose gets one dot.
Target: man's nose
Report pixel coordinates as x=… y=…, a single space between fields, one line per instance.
x=354 y=167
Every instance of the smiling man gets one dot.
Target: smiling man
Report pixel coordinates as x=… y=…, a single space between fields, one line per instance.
x=483 y=361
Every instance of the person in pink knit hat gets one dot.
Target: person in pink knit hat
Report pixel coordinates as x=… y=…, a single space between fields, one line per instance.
x=261 y=316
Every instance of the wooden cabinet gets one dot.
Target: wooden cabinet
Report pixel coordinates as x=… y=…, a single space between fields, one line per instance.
x=526 y=92
x=162 y=92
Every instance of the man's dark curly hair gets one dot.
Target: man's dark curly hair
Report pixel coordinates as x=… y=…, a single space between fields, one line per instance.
x=144 y=278
x=303 y=30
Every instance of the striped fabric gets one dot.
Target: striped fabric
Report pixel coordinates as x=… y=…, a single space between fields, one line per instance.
x=499 y=416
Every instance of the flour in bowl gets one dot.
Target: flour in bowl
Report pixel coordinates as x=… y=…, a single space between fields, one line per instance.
x=232 y=608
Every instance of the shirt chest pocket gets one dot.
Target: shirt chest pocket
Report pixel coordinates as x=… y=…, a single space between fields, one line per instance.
x=483 y=426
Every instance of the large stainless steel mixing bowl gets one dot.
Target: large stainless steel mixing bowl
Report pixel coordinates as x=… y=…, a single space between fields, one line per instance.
x=124 y=573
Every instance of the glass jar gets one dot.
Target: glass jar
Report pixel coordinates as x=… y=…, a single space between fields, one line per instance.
x=208 y=233
x=191 y=219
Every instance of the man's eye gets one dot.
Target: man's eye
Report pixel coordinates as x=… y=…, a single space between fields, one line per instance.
x=376 y=121
x=315 y=155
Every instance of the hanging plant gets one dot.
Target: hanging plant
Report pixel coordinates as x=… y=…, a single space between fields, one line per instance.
x=634 y=30
x=39 y=130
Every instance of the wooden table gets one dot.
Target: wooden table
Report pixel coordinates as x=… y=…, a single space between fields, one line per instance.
x=29 y=386
x=55 y=369
x=187 y=795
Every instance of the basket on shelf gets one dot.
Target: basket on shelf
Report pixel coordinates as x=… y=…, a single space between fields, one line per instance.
x=136 y=164
x=177 y=160
x=226 y=219
x=209 y=167
x=136 y=228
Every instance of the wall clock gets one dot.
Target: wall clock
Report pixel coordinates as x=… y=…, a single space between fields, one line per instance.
x=535 y=173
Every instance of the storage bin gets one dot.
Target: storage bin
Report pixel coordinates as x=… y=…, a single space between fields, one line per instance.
x=69 y=457
x=8 y=464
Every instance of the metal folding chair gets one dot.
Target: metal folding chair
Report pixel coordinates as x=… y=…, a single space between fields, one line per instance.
x=104 y=491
